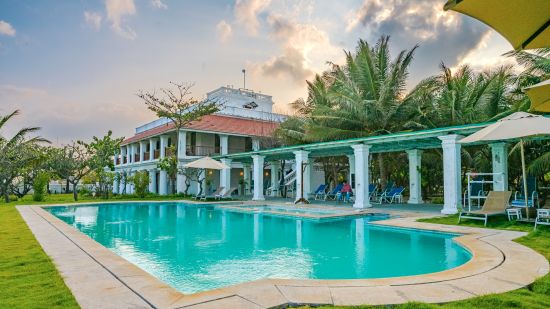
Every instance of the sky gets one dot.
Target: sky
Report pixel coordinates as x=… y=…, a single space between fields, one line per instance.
x=73 y=67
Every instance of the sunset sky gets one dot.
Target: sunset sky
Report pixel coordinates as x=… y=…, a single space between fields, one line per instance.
x=74 y=67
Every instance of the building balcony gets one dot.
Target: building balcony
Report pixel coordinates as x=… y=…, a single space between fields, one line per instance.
x=146 y=156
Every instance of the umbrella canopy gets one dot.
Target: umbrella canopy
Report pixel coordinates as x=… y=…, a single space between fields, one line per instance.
x=206 y=163
x=524 y=23
x=517 y=125
x=540 y=96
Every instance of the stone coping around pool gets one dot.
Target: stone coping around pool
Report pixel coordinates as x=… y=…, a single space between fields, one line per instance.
x=100 y=278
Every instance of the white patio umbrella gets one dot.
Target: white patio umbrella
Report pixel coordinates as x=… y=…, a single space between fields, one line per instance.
x=206 y=163
x=518 y=125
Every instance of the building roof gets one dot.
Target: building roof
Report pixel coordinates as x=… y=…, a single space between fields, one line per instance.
x=215 y=123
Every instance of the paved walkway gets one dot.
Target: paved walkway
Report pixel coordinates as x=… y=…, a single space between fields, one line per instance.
x=100 y=279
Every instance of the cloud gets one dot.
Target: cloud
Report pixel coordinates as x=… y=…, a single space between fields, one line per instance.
x=117 y=10
x=93 y=19
x=247 y=11
x=304 y=46
x=159 y=4
x=6 y=29
x=224 y=31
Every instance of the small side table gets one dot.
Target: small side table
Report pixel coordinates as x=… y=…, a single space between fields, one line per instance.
x=514 y=213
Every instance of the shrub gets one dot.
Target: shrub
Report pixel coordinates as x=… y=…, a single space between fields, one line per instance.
x=39 y=186
x=13 y=198
x=141 y=183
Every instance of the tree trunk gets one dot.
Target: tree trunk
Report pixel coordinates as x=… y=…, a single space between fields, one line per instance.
x=75 y=191
x=6 y=194
x=67 y=186
x=382 y=168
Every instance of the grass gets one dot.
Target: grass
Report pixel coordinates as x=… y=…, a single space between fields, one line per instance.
x=534 y=296
x=28 y=278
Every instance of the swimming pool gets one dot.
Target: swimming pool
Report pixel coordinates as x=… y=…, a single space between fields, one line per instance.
x=196 y=248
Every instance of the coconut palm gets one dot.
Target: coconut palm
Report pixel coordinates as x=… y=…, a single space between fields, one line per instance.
x=13 y=154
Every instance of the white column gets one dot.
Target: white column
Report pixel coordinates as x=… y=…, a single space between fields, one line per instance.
x=153 y=181
x=128 y=184
x=180 y=183
x=255 y=144
x=351 y=160
x=123 y=150
x=163 y=145
x=224 y=144
x=152 y=147
x=301 y=157
x=163 y=183
x=116 y=185
x=121 y=184
x=500 y=165
x=142 y=145
x=361 y=153
x=246 y=177
x=451 y=173
x=275 y=166
x=258 y=171
x=133 y=153
x=182 y=145
x=225 y=174
x=415 y=177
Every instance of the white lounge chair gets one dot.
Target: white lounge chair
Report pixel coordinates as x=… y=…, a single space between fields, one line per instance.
x=543 y=217
x=214 y=194
x=226 y=194
x=495 y=204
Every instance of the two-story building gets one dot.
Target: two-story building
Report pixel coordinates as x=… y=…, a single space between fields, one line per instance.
x=244 y=123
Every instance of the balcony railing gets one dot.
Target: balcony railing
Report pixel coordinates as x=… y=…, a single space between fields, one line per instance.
x=136 y=157
x=146 y=156
x=202 y=150
x=156 y=154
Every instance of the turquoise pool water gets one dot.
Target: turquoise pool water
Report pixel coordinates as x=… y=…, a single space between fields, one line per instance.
x=196 y=248
x=293 y=210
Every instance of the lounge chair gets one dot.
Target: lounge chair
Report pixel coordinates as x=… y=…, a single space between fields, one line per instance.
x=373 y=188
x=543 y=217
x=213 y=195
x=332 y=194
x=386 y=190
x=227 y=194
x=495 y=204
x=395 y=194
x=320 y=192
x=519 y=196
x=476 y=192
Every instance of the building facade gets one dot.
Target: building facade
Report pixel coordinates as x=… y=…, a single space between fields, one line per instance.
x=245 y=123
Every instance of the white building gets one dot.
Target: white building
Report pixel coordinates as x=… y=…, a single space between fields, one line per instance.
x=244 y=122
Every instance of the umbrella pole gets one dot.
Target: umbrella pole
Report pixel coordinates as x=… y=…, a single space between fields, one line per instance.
x=525 y=190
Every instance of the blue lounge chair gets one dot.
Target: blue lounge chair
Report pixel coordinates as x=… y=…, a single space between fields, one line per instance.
x=320 y=192
x=332 y=194
x=395 y=194
x=533 y=196
x=373 y=188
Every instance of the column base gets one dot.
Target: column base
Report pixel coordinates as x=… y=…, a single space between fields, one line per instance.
x=258 y=199
x=361 y=206
x=411 y=201
x=449 y=211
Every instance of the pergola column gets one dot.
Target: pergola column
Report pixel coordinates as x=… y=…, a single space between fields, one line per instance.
x=246 y=177
x=351 y=160
x=361 y=153
x=275 y=166
x=224 y=144
x=258 y=176
x=415 y=177
x=182 y=144
x=153 y=181
x=500 y=165
x=225 y=174
x=302 y=174
x=142 y=145
x=452 y=185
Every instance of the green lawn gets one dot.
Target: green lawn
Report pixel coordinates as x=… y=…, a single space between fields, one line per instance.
x=536 y=295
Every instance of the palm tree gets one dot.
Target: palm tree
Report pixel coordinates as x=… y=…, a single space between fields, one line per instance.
x=13 y=156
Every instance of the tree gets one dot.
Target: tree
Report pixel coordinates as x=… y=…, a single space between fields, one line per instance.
x=72 y=162
x=141 y=183
x=101 y=162
x=169 y=164
x=178 y=105
x=13 y=153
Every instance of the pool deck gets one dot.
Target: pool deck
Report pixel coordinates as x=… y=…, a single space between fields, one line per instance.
x=99 y=278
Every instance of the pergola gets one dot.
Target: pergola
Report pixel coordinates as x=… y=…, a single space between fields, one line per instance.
x=358 y=151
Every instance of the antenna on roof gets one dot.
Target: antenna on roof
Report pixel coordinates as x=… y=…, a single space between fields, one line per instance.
x=244 y=79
